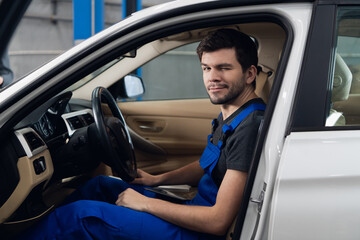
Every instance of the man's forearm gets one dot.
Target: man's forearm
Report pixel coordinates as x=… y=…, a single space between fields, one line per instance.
x=189 y=174
x=215 y=219
x=197 y=218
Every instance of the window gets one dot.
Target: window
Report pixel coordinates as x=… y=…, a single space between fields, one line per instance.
x=174 y=75
x=345 y=87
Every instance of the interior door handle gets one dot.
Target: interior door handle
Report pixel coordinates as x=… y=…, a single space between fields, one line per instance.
x=150 y=128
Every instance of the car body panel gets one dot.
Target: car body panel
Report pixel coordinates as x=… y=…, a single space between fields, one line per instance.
x=305 y=183
x=316 y=187
x=299 y=18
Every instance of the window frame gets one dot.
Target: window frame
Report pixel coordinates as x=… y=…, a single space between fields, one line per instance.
x=312 y=100
x=270 y=106
x=309 y=114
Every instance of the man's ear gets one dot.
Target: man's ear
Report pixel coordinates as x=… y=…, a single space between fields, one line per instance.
x=251 y=74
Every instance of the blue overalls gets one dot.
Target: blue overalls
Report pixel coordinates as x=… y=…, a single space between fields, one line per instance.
x=207 y=189
x=98 y=218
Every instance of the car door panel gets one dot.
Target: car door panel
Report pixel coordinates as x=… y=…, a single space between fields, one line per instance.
x=317 y=185
x=178 y=127
x=177 y=133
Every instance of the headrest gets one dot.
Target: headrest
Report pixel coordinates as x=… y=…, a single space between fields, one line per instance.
x=342 y=80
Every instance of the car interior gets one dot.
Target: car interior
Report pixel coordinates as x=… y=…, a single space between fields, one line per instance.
x=51 y=150
x=340 y=91
x=345 y=92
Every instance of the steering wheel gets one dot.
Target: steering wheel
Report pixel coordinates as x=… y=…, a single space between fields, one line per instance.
x=113 y=135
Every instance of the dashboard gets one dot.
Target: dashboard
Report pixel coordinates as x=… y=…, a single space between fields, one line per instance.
x=48 y=145
x=55 y=127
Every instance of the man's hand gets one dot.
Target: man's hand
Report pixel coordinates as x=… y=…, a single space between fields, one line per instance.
x=145 y=179
x=132 y=199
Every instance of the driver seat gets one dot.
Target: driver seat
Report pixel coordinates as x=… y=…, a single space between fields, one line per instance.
x=230 y=232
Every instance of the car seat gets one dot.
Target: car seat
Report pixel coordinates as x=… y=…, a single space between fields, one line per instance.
x=340 y=91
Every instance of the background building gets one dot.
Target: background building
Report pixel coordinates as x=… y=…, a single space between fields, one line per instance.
x=47 y=30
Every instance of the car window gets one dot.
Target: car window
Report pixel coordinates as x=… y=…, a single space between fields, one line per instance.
x=174 y=75
x=345 y=83
x=43 y=33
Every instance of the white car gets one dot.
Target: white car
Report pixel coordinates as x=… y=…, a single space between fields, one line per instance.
x=304 y=182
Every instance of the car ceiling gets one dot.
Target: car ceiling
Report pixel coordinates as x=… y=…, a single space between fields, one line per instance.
x=270 y=37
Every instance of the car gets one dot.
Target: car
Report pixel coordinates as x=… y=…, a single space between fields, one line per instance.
x=305 y=176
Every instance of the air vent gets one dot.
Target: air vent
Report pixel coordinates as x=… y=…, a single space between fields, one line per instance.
x=80 y=121
x=33 y=140
x=75 y=122
x=30 y=141
x=88 y=118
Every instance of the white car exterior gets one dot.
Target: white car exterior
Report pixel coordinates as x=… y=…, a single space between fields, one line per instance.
x=306 y=184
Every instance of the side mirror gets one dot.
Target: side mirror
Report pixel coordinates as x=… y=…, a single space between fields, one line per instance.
x=132 y=87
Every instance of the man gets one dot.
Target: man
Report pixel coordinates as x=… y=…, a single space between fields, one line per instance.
x=6 y=75
x=228 y=59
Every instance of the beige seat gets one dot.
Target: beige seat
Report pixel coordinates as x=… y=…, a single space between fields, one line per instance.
x=340 y=92
x=263 y=85
x=231 y=230
x=262 y=90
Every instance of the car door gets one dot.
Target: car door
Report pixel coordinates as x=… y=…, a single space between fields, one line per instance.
x=315 y=192
x=178 y=132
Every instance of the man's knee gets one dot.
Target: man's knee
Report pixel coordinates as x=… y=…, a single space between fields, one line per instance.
x=78 y=210
x=97 y=180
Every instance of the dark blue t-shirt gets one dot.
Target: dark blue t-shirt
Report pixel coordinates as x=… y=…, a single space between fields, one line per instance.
x=238 y=149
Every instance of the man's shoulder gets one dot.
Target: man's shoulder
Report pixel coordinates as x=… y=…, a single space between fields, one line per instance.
x=250 y=123
x=243 y=107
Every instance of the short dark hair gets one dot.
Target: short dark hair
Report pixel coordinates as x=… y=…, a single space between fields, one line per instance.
x=245 y=47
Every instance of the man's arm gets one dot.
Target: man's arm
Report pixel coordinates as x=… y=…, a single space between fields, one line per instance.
x=189 y=174
x=215 y=220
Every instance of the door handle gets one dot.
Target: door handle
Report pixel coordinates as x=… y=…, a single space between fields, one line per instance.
x=150 y=128
x=153 y=126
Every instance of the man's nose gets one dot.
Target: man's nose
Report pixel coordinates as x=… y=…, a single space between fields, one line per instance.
x=214 y=75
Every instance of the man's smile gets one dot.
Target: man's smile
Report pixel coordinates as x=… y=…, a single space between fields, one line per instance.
x=217 y=87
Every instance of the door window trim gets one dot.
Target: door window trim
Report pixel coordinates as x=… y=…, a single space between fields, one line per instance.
x=311 y=104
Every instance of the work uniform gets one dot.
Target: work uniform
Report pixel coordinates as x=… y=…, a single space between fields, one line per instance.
x=98 y=218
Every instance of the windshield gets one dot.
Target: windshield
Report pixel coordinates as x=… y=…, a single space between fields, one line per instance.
x=92 y=75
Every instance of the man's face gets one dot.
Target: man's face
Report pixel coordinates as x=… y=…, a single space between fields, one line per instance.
x=223 y=76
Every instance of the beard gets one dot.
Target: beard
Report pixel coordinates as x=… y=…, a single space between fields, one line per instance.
x=234 y=91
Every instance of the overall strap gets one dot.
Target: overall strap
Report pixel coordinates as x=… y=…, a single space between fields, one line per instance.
x=215 y=123
x=228 y=129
